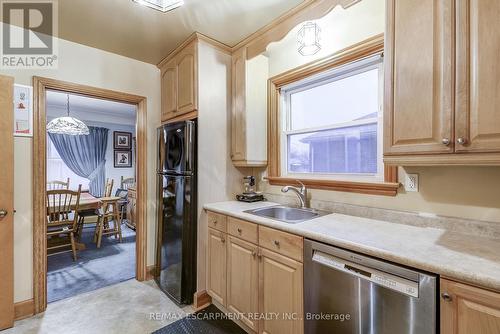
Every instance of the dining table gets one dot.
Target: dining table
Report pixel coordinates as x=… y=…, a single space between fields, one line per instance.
x=87 y=202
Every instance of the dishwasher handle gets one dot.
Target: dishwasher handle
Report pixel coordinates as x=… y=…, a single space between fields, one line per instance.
x=387 y=280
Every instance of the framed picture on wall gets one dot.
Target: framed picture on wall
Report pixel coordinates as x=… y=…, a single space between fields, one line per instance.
x=122 y=140
x=123 y=159
x=23 y=111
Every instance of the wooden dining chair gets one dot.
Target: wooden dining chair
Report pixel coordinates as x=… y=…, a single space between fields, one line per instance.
x=108 y=213
x=62 y=218
x=56 y=185
x=91 y=216
x=108 y=187
x=127 y=182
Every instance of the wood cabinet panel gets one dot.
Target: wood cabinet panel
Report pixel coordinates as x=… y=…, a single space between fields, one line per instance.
x=468 y=310
x=216 y=269
x=281 y=292
x=290 y=245
x=478 y=76
x=243 y=229
x=238 y=125
x=243 y=280
x=418 y=77
x=187 y=76
x=169 y=91
x=217 y=221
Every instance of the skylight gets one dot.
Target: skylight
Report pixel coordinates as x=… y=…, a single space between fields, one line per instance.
x=161 y=5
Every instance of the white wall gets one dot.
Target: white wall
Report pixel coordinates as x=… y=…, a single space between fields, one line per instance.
x=83 y=65
x=339 y=29
x=218 y=179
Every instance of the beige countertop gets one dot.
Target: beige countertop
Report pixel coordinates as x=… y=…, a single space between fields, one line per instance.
x=468 y=258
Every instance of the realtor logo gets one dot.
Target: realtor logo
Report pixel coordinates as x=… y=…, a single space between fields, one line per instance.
x=29 y=34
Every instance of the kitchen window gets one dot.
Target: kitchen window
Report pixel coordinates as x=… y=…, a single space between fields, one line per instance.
x=326 y=123
x=332 y=124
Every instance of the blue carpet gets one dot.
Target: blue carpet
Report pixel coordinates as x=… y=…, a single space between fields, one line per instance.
x=94 y=268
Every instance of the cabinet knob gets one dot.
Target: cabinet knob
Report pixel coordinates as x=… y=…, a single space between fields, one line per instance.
x=223 y=240
x=446 y=297
x=240 y=230
x=214 y=222
x=462 y=141
x=446 y=141
x=277 y=243
x=3 y=213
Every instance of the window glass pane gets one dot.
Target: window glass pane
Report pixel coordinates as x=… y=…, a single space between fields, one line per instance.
x=344 y=100
x=350 y=149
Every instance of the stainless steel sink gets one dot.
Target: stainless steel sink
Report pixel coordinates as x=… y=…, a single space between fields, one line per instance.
x=287 y=214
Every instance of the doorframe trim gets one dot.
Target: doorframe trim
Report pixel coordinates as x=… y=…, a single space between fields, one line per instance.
x=40 y=86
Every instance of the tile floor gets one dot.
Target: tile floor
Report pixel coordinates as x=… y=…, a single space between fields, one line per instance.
x=126 y=307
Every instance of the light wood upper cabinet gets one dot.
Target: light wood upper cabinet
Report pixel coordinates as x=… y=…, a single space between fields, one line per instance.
x=216 y=265
x=468 y=310
x=249 y=110
x=169 y=91
x=442 y=80
x=478 y=76
x=243 y=280
x=179 y=83
x=281 y=292
x=187 y=78
x=418 y=77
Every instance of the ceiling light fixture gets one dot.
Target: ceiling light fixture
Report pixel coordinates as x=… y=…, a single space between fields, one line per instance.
x=308 y=39
x=161 y=5
x=67 y=125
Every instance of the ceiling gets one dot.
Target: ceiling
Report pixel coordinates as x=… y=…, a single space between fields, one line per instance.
x=127 y=28
x=90 y=109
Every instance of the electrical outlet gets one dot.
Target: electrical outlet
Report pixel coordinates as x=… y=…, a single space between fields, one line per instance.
x=411 y=182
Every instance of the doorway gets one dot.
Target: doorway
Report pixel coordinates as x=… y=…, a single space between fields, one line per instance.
x=43 y=87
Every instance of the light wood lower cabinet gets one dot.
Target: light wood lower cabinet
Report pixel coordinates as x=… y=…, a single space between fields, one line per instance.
x=263 y=286
x=281 y=294
x=243 y=280
x=216 y=268
x=468 y=310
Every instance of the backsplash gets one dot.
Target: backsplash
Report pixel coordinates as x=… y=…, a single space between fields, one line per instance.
x=465 y=226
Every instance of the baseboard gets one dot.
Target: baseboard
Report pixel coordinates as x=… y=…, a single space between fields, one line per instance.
x=201 y=300
x=24 y=309
x=150 y=272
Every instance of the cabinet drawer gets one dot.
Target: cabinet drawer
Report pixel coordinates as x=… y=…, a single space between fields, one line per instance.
x=242 y=229
x=281 y=242
x=217 y=221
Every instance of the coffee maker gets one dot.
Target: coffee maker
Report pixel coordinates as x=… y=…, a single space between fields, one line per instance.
x=249 y=194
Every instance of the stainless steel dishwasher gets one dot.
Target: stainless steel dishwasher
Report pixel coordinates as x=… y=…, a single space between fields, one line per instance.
x=345 y=292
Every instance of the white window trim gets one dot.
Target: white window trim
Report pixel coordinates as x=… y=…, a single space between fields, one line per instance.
x=336 y=74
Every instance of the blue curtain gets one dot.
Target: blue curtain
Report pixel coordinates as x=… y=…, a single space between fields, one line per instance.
x=85 y=156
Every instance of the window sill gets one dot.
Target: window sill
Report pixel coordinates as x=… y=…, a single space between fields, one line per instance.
x=371 y=188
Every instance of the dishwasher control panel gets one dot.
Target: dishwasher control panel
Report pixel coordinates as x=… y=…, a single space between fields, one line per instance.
x=389 y=281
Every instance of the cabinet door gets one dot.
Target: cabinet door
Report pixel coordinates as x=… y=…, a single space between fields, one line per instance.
x=280 y=293
x=243 y=280
x=478 y=76
x=216 y=269
x=418 y=115
x=187 y=79
x=169 y=91
x=468 y=310
x=238 y=124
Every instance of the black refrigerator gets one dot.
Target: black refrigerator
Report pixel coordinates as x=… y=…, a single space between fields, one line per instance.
x=175 y=270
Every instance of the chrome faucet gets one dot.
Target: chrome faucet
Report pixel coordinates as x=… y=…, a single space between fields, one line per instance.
x=300 y=192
